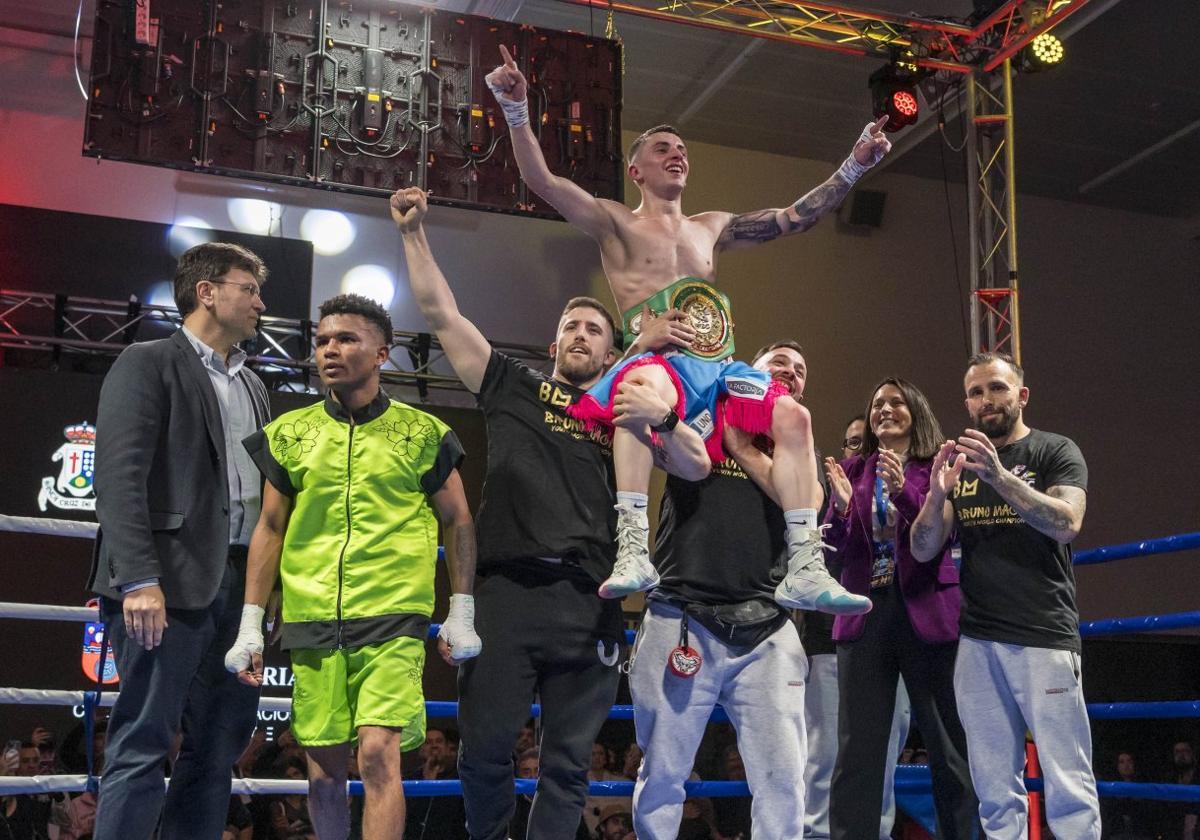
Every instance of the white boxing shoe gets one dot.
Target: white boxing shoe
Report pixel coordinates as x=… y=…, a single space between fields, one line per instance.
x=808 y=584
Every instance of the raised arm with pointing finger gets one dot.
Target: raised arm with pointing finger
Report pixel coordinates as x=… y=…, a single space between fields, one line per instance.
x=603 y=219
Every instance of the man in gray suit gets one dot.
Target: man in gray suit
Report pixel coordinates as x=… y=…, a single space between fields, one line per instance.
x=177 y=498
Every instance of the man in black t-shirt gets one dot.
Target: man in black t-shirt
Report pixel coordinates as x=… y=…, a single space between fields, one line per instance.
x=545 y=535
x=1017 y=498
x=713 y=633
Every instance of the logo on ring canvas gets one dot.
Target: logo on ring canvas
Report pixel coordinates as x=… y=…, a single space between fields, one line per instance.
x=73 y=489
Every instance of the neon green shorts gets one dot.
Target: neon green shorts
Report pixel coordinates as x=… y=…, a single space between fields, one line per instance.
x=337 y=691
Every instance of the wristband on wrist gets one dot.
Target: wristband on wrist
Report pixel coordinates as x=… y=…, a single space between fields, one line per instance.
x=516 y=114
x=668 y=423
x=252 y=618
x=851 y=170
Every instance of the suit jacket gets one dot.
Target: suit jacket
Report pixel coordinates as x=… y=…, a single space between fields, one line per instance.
x=162 y=490
x=930 y=590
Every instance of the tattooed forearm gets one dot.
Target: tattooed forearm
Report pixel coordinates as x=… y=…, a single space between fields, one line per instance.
x=765 y=225
x=930 y=529
x=1058 y=513
x=661 y=457
x=925 y=538
x=819 y=202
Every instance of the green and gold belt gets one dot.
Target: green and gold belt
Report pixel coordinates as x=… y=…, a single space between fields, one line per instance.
x=707 y=310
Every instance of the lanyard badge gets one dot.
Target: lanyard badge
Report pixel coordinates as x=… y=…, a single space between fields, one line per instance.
x=684 y=660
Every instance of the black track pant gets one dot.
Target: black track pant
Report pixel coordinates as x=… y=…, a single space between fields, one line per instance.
x=867 y=671
x=549 y=635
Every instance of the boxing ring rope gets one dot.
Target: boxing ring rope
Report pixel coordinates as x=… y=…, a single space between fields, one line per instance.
x=910 y=779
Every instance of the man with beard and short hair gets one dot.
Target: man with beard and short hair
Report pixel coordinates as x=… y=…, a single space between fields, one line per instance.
x=1017 y=497
x=713 y=633
x=545 y=530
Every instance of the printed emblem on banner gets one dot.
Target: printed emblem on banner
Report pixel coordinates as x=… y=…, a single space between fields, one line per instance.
x=73 y=489
x=93 y=637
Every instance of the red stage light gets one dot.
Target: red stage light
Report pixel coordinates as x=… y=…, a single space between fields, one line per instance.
x=904 y=103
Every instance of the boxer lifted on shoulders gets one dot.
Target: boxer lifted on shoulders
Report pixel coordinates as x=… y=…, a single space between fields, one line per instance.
x=658 y=259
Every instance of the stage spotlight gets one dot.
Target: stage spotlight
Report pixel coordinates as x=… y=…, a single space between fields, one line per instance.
x=329 y=231
x=253 y=215
x=372 y=281
x=187 y=232
x=1043 y=52
x=161 y=294
x=894 y=92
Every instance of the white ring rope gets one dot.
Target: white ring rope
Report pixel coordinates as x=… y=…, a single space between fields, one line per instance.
x=49 y=527
x=47 y=697
x=48 y=612
x=12 y=785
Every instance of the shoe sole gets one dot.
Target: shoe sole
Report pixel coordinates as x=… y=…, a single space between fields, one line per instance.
x=611 y=593
x=826 y=603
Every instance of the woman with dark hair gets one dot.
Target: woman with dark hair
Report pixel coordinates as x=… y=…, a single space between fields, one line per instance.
x=912 y=628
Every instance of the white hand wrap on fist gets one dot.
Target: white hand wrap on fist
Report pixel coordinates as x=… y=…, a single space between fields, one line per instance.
x=515 y=113
x=458 y=630
x=851 y=169
x=249 y=640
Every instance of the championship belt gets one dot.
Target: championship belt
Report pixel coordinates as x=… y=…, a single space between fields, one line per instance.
x=707 y=310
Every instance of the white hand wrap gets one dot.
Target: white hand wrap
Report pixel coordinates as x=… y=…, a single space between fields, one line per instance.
x=515 y=113
x=851 y=170
x=459 y=629
x=249 y=640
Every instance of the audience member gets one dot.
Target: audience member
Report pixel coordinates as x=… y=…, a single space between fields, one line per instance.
x=1122 y=818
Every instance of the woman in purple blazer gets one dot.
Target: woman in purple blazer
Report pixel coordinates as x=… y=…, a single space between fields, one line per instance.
x=912 y=628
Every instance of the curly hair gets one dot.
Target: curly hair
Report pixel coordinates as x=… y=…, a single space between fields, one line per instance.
x=352 y=304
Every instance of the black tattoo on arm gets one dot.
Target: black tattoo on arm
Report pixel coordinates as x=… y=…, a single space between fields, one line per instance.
x=1057 y=513
x=819 y=202
x=929 y=530
x=661 y=457
x=1053 y=513
x=765 y=225
x=760 y=226
x=925 y=537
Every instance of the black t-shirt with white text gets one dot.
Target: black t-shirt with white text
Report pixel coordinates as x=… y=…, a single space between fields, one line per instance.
x=720 y=540
x=549 y=489
x=1018 y=585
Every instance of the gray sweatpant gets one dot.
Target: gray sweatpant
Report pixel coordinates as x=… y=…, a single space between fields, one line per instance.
x=762 y=690
x=1003 y=690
